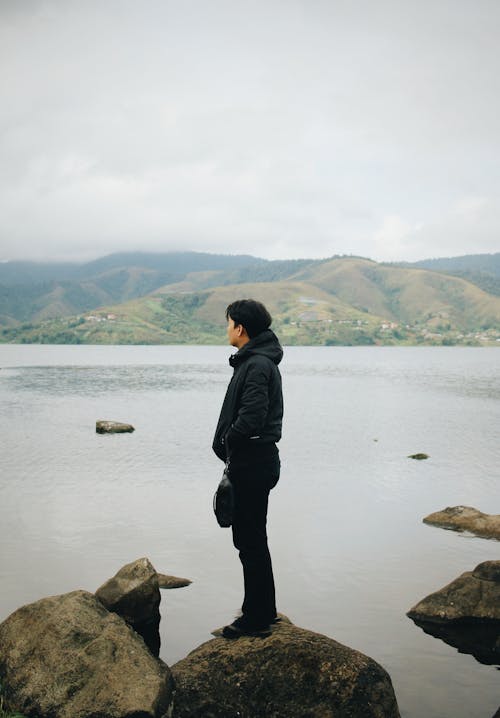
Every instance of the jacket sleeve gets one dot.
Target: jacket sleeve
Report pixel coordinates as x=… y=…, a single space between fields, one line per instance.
x=254 y=403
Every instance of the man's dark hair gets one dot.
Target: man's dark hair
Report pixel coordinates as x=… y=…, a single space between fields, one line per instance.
x=252 y=315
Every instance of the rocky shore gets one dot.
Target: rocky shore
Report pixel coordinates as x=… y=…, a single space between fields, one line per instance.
x=96 y=656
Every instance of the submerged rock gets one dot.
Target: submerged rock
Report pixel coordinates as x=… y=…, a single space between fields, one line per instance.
x=112 y=427
x=466 y=518
x=67 y=656
x=293 y=673
x=134 y=594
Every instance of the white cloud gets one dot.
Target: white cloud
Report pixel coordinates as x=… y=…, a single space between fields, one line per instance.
x=472 y=207
x=392 y=239
x=280 y=129
x=470 y=226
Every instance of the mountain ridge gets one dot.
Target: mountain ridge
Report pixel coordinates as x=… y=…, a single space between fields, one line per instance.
x=341 y=300
x=483 y=270
x=31 y=292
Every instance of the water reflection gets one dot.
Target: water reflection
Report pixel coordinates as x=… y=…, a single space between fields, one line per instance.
x=480 y=639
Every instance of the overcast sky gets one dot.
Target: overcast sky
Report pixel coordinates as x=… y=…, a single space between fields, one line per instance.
x=279 y=128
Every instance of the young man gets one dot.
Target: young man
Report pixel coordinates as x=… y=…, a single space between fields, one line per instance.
x=248 y=429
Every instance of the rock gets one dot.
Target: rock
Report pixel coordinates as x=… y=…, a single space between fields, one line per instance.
x=473 y=595
x=292 y=673
x=466 y=613
x=134 y=594
x=466 y=518
x=418 y=457
x=66 y=656
x=112 y=427
x=165 y=581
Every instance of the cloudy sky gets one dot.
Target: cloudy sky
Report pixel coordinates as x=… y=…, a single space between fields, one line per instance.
x=279 y=128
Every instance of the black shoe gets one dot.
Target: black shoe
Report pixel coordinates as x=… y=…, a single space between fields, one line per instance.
x=241 y=627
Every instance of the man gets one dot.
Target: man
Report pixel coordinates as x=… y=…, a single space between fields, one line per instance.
x=249 y=427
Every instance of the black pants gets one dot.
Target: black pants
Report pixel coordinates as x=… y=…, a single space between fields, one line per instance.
x=253 y=475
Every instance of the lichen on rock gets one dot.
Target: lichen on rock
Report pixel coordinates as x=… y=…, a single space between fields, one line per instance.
x=67 y=656
x=475 y=595
x=293 y=673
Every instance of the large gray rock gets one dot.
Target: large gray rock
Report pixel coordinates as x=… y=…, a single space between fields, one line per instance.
x=67 y=657
x=466 y=518
x=134 y=594
x=293 y=673
x=466 y=613
x=473 y=595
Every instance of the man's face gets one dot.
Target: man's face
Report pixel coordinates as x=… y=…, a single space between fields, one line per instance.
x=233 y=332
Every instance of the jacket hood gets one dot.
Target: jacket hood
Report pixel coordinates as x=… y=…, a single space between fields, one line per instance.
x=266 y=343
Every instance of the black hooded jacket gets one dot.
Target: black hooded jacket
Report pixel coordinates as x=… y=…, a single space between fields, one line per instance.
x=252 y=410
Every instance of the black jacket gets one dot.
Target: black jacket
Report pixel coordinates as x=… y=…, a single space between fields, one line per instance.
x=252 y=410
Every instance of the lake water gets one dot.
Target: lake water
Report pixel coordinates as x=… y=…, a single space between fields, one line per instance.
x=350 y=551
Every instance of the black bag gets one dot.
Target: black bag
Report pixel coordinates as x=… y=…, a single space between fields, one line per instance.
x=224 y=500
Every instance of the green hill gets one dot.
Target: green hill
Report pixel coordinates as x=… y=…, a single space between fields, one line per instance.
x=488 y=263
x=338 y=301
x=407 y=296
x=32 y=292
x=483 y=270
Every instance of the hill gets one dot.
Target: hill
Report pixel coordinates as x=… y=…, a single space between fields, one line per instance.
x=483 y=270
x=338 y=301
x=33 y=292
x=488 y=263
x=172 y=263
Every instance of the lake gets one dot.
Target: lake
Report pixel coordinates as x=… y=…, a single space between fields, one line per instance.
x=351 y=554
